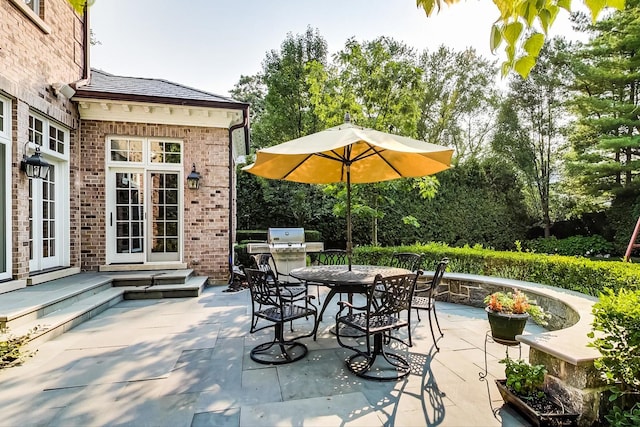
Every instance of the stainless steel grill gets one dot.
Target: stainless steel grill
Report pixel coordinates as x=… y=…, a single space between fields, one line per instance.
x=288 y=248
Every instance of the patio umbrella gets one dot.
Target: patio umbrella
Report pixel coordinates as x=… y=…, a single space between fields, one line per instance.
x=350 y=154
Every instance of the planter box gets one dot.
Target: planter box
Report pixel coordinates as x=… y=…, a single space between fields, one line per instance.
x=555 y=418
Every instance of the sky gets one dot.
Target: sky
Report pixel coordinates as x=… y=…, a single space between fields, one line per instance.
x=209 y=44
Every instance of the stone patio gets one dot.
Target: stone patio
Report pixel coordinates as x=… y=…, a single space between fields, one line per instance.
x=185 y=362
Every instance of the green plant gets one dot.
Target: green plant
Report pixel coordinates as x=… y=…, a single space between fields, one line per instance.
x=617 y=323
x=523 y=378
x=12 y=350
x=571 y=246
x=516 y=302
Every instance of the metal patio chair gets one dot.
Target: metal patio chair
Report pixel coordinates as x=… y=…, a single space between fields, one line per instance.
x=424 y=298
x=377 y=320
x=268 y=304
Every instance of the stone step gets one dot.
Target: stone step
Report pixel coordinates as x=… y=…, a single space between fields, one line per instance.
x=191 y=288
x=24 y=306
x=57 y=322
x=55 y=307
x=151 y=278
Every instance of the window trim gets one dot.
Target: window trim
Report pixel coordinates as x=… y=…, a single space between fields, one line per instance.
x=46 y=125
x=20 y=4
x=5 y=139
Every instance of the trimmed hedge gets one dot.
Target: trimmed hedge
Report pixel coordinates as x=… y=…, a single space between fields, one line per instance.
x=574 y=273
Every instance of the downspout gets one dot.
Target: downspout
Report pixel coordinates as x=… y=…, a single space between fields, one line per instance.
x=86 y=41
x=232 y=171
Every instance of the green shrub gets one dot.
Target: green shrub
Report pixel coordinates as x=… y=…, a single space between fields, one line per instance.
x=617 y=338
x=575 y=273
x=571 y=246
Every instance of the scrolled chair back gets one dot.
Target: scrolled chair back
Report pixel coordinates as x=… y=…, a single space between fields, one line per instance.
x=261 y=287
x=407 y=260
x=393 y=293
x=332 y=257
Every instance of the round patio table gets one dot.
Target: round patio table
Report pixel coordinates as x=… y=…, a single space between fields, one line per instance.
x=339 y=279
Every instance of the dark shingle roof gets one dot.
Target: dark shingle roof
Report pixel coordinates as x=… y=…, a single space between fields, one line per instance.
x=104 y=85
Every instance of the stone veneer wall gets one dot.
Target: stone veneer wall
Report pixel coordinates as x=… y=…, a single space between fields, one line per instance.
x=576 y=384
x=206 y=210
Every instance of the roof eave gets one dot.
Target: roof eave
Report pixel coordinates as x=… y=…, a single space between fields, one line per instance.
x=91 y=94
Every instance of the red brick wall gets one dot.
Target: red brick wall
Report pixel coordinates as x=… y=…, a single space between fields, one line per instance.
x=31 y=59
x=206 y=210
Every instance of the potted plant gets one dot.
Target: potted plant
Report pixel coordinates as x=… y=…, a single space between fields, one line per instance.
x=523 y=389
x=508 y=313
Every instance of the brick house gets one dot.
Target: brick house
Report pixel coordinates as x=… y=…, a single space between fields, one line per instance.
x=120 y=150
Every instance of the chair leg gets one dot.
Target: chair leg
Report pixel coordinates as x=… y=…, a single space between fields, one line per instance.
x=432 y=334
x=409 y=327
x=436 y=317
x=418 y=313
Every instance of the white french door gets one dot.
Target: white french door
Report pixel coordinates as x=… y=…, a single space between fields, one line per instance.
x=45 y=233
x=144 y=216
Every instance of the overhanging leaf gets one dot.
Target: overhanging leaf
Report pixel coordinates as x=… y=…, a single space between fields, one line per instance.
x=512 y=31
x=566 y=4
x=595 y=6
x=617 y=4
x=496 y=38
x=524 y=65
x=534 y=44
x=545 y=19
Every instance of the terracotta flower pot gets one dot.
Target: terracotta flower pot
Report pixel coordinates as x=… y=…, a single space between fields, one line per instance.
x=505 y=326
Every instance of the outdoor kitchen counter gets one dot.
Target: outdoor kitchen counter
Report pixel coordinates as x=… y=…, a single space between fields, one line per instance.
x=342 y=280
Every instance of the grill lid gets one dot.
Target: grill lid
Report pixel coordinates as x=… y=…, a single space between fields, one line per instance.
x=285 y=236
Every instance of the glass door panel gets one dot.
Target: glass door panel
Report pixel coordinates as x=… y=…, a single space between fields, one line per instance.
x=165 y=216
x=127 y=217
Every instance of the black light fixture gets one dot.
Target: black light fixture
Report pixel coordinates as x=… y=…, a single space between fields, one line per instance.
x=34 y=166
x=193 y=179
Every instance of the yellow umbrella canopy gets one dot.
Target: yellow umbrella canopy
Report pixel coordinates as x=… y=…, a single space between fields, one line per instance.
x=370 y=156
x=350 y=154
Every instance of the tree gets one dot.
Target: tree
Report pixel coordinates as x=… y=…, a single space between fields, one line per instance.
x=606 y=137
x=458 y=101
x=252 y=90
x=288 y=112
x=529 y=130
x=378 y=82
x=519 y=24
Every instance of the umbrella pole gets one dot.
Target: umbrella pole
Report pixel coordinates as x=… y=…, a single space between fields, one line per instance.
x=349 y=244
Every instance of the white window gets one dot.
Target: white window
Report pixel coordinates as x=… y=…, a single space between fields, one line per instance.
x=48 y=198
x=5 y=188
x=33 y=5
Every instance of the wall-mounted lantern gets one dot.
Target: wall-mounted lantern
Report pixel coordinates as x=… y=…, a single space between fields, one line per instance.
x=193 y=179
x=34 y=166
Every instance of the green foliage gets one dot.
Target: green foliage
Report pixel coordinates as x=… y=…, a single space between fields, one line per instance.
x=617 y=338
x=12 y=351
x=516 y=302
x=577 y=274
x=523 y=24
x=571 y=246
x=621 y=418
x=605 y=158
x=458 y=101
x=525 y=379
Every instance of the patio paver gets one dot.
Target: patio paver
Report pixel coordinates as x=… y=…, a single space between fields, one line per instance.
x=185 y=362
